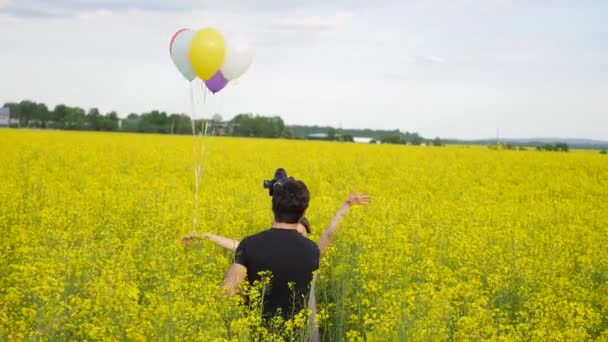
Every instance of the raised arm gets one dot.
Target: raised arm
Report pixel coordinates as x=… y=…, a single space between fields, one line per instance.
x=352 y=199
x=218 y=240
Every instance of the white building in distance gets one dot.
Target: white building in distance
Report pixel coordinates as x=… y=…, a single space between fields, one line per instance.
x=5 y=116
x=363 y=140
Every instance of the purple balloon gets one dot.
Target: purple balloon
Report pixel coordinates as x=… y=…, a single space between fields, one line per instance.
x=217 y=82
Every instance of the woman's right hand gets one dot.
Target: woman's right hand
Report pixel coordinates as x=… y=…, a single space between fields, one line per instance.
x=355 y=198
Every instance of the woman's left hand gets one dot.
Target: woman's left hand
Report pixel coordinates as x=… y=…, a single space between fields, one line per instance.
x=191 y=237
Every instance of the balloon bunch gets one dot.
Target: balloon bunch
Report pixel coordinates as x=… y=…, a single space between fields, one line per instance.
x=207 y=55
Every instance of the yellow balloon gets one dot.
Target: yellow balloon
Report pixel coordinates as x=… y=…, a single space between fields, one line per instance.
x=207 y=51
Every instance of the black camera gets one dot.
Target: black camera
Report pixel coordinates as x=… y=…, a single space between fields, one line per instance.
x=280 y=177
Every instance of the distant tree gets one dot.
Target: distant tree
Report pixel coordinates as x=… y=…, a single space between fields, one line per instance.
x=331 y=134
x=131 y=123
x=278 y=126
x=242 y=125
x=109 y=122
x=437 y=142
x=391 y=139
x=412 y=138
x=41 y=114
x=154 y=122
x=417 y=140
x=75 y=118
x=373 y=141
x=561 y=147
x=247 y=125
x=348 y=138
x=26 y=111
x=58 y=116
x=287 y=133
x=521 y=148
x=180 y=124
x=603 y=152
x=217 y=118
x=553 y=147
x=94 y=119
x=406 y=137
x=548 y=147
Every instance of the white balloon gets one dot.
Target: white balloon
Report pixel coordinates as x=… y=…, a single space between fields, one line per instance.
x=179 y=53
x=237 y=61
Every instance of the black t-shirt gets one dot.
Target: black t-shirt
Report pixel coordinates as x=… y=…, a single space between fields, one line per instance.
x=290 y=257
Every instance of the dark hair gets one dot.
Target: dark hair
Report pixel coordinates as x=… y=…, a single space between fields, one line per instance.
x=290 y=201
x=304 y=221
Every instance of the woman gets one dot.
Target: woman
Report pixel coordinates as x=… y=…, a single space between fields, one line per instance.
x=304 y=229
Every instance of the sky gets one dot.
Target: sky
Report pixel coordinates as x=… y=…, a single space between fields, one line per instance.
x=448 y=68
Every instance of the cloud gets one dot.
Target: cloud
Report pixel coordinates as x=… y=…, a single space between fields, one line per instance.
x=312 y=22
x=40 y=8
x=428 y=59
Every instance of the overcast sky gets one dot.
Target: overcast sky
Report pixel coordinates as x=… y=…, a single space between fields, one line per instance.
x=449 y=68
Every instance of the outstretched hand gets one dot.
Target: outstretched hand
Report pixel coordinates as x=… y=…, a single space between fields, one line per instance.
x=355 y=198
x=191 y=237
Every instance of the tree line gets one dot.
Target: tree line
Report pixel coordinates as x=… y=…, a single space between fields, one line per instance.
x=557 y=147
x=303 y=131
x=29 y=114
x=410 y=138
x=378 y=136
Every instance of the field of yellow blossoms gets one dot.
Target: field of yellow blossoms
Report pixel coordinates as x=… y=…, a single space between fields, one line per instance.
x=459 y=243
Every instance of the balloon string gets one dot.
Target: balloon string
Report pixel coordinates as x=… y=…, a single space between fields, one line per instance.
x=221 y=105
x=196 y=163
x=204 y=124
x=204 y=94
x=200 y=162
x=192 y=107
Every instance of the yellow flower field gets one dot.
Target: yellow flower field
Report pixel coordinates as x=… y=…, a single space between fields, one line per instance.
x=459 y=243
